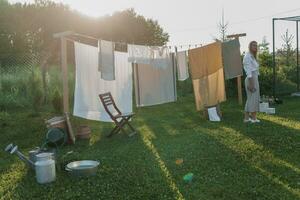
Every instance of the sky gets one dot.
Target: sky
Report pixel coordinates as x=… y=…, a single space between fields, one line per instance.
x=191 y=22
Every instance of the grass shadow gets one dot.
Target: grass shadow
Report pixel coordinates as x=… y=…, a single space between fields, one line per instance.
x=280 y=140
x=217 y=167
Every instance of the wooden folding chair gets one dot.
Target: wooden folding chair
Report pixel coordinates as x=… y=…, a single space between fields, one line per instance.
x=120 y=119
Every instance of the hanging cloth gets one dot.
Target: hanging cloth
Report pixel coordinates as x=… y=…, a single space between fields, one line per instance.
x=160 y=56
x=154 y=85
x=106 y=60
x=149 y=55
x=139 y=54
x=205 y=60
x=232 y=59
x=210 y=90
x=88 y=84
x=208 y=75
x=182 y=66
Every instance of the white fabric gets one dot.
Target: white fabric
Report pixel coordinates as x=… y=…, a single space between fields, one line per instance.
x=251 y=66
x=160 y=57
x=271 y=111
x=149 y=55
x=263 y=107
x=139 y=54
x=106 y=60
x=213 y=114
x=182 y=66
x=154 y=85
x=89 y=84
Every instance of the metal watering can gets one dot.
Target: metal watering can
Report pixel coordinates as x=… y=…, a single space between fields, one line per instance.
x=42 y=163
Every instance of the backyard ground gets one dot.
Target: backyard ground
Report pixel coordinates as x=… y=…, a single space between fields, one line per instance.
x=229 y=160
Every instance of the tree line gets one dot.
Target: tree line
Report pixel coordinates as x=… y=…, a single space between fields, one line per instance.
x=29 y=28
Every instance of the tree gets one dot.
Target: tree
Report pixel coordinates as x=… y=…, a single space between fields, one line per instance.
x=5 y=38
x=223 y=28
x=264 y=55
x=29 y=28
x=287 y=50
x=264 y=45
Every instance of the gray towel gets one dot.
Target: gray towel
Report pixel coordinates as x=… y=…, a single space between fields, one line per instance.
x=106 y=60
x=154 y=85
x=232 y=59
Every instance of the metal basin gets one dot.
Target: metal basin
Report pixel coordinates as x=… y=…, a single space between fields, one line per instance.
x=83 y=168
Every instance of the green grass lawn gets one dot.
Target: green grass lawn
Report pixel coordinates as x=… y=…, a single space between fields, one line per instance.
x=229 y=160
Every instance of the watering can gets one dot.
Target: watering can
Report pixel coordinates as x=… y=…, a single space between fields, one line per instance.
x=42 y=163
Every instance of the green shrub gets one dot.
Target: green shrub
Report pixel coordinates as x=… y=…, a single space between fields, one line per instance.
x=284 y=84
x=13 y=91
x=57 y=101
x=35 y=90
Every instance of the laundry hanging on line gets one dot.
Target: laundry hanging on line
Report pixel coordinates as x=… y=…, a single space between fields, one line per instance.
x=208 y=75
x=149 y=55
x=182 y=66
x=154 y=85
x=210 y=90
x=232 y=59
x=106 y=59
x=89 y=84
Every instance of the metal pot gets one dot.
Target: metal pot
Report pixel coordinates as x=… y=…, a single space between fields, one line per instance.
x=83 y=168
x=38 y=154
x=45 y=169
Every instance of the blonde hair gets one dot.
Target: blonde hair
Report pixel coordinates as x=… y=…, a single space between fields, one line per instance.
x=250 y=44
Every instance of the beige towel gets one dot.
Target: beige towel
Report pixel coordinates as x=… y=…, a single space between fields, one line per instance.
x=205 y=60
x=208 y=75
x=210 y=90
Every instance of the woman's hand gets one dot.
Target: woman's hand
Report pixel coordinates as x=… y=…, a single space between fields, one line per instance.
x=251 y=86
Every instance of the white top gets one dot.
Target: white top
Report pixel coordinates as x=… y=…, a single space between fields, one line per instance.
x=149 y=55
x=251 y=66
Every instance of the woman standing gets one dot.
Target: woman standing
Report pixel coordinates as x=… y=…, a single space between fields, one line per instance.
x=251 y=68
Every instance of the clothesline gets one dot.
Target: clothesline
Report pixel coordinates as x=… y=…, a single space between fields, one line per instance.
x=88 y=55
x=181 y=46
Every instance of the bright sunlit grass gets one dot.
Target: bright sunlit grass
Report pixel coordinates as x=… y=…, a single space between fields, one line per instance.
x=229 y=160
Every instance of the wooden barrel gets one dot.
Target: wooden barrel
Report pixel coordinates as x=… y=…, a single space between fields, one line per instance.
x=83 y=132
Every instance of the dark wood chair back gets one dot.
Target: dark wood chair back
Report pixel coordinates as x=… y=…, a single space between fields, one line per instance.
x=107 y=101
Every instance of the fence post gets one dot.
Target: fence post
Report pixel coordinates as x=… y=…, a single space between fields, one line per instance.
x=64 y=66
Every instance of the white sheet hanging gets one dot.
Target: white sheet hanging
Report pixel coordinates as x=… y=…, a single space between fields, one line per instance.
x=154 y=85
x=89 y=84
x=182 y=66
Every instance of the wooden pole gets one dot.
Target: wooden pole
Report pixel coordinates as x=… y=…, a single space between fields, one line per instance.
x=64 y=66
x=240 y=94
x=239 y=78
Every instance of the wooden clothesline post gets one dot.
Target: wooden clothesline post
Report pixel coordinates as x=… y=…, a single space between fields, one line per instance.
x=64 y=67
x=239 y=78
